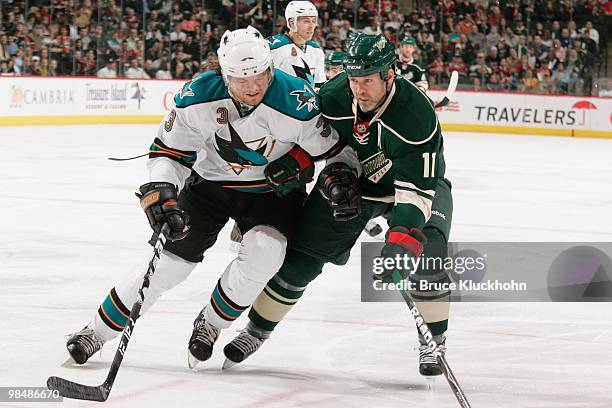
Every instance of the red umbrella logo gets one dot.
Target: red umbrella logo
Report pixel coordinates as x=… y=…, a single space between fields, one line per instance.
x=584 y=106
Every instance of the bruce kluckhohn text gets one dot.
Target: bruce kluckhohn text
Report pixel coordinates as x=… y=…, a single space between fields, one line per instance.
x=463 y=285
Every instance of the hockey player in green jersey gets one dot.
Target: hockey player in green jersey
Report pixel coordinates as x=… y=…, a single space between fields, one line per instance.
x=395 y=132
x=406 y=67
x=333 y=64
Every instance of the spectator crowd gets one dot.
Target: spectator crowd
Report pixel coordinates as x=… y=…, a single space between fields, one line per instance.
x=514 y=45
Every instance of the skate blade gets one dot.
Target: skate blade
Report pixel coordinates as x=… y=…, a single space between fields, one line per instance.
x=227 y=364
x=69 y=362
x=430 y=381
x=192 y=361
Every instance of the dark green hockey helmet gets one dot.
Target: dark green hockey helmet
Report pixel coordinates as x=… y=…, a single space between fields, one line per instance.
x=407 y=40
x=334 y=58
x=352 y=35
x=369 y=54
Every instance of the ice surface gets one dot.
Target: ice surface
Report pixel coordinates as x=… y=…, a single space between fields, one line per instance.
x=71 y=228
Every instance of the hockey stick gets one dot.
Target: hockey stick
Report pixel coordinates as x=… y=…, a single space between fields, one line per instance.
x=426 y=333
x=127 y=158
x=100 y=393
x=452 y=85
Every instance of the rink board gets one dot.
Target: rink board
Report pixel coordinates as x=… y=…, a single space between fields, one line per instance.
x=36 y=101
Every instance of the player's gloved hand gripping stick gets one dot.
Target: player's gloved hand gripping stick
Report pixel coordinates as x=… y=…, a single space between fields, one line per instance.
x=159 y=202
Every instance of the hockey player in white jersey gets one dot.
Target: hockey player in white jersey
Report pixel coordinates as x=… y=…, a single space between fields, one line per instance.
x=232 y=141
x=294 y=52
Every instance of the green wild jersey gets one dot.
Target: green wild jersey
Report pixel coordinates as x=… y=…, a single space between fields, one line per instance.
x=400 y=148
x=412 y=73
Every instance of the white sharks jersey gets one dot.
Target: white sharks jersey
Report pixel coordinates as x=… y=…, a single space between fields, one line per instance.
x=207 y=133
x=307 y=63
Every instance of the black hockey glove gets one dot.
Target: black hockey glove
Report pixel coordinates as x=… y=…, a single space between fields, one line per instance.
x=339 y=185
x=158 y=200
x=293 y=170
x=401 y=241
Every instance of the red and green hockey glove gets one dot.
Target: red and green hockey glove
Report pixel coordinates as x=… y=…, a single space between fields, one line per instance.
x=401 y=241
x=289 y=172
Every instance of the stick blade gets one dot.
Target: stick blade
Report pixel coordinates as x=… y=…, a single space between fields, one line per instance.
x=452 y=84
x=442 y=103
x=74 y=390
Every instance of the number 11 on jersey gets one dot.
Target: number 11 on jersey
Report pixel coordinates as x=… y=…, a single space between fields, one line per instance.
x=429 y=165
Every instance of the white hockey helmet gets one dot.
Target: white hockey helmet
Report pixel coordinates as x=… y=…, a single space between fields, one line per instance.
x=243 y=53
x=299 y=8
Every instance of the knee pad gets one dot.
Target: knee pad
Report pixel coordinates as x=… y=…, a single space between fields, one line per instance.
x=262 y=252
x=171 y=270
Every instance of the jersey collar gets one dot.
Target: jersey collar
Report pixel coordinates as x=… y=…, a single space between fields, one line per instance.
x=380 y=110
x=362 y=138
x=301 y=47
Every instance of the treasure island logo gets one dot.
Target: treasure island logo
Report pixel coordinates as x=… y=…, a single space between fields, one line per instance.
x=139 y=93
x=114 y=96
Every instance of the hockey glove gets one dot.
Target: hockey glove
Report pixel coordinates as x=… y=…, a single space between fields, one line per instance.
x=289 y=172
x=401 y=241
x=339 y=185
x=158 y=200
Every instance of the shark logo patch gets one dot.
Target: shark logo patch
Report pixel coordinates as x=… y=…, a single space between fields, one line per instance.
x=237 y=154
x=305 y=98
x=304 y=72
x=186 y=91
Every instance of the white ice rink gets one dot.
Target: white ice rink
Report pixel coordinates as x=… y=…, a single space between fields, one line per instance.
x=71 y=228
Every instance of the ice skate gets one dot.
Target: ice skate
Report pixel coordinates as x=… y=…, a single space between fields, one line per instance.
x=241 y=348
x=82 y=345
x=428 y=363
x=202 y=341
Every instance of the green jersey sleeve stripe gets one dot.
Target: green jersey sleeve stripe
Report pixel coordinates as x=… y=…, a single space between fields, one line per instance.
x=412 y=198
x=411 y=186
x=419 y=192
x=385 y=199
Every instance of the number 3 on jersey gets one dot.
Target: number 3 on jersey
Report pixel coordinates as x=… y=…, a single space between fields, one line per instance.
x=429 y=165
